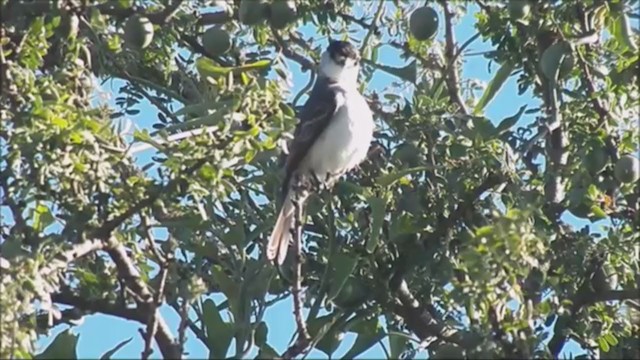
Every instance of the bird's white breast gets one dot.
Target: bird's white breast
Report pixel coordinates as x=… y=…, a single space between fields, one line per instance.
x=346 y=140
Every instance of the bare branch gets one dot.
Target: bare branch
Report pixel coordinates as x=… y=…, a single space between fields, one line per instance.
x=163 y=335
x=419 y=320
x=128 y=272
x=303 y=340
x=452 y=77
x=152 y=324
x=214 y=18
x=158 y=18
x=182 y=326
x=68 y=256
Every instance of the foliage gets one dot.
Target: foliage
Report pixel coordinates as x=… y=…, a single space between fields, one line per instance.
x=454 y=236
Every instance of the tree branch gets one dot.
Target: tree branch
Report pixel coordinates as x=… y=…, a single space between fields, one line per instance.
x=152 y=324
x=585 y=296
x=158 y=18
x=305 y=63
x=452 y=77
x=68 y=256
x=303 y=340
x=417 y=317
x=420 y=321
x=163 y=335
x=214 y=18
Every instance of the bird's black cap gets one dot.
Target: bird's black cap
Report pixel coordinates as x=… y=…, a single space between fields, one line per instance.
x=341 y=50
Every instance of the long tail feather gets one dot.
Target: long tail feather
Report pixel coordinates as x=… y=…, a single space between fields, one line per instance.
x=279 y=239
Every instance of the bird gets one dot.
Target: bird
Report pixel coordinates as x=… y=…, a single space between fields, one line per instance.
x=332 y=137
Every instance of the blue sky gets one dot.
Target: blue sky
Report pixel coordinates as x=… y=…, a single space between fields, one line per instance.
x=99 y=333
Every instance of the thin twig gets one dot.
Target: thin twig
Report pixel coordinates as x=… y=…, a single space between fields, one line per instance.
x=182 y=327
x=374 y=28
x=305 y=63
x=303 y=339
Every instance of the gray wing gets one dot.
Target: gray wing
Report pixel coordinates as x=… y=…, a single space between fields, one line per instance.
x=314 y=117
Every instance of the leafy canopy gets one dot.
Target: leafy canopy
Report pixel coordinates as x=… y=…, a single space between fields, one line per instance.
x=461 y=234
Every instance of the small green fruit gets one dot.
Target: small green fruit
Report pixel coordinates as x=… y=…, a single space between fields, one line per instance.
x=423 y=23
x=216 y=41
x=627 y=169
x=596 y=158
x=138 y=32
x=518 y=9
x=283 y=12
x=551 y=57
x=252 y=12
x=408 y=154
x=352 y=294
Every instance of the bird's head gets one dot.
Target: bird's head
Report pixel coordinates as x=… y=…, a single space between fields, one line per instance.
x=340 y=63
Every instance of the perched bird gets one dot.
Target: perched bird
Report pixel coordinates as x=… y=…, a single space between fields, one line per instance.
x=333 y=136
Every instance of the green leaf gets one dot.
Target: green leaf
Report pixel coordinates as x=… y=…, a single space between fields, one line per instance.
x=458 y=151
x=42 y=217
x=342 y=267
x=623 y=34
x=369 y=333
x=235 y=235
x=551 y=59
x=347 y=188
x=145 y=137
x=109 y=354
x=219 y=333
x=260 y=334
x=267 y=352
x=597 y=212
x=483 y=128
x=494 y=86
x=206 y=67
x=203 y=121
x=378 y=206
x=62 y=347
x=407 y=73
x=228 y=287
x=397 y=345
x=287 y=110
x=611 y=339
x=507 y=123
x=387 y=180
x=484 y=231
x=328 y=338
x=604 y=345
x=200 y=109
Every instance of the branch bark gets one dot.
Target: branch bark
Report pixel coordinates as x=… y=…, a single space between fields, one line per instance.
x=163 y=335
x=158 y=18
x=452 y=78
x=303 y=340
